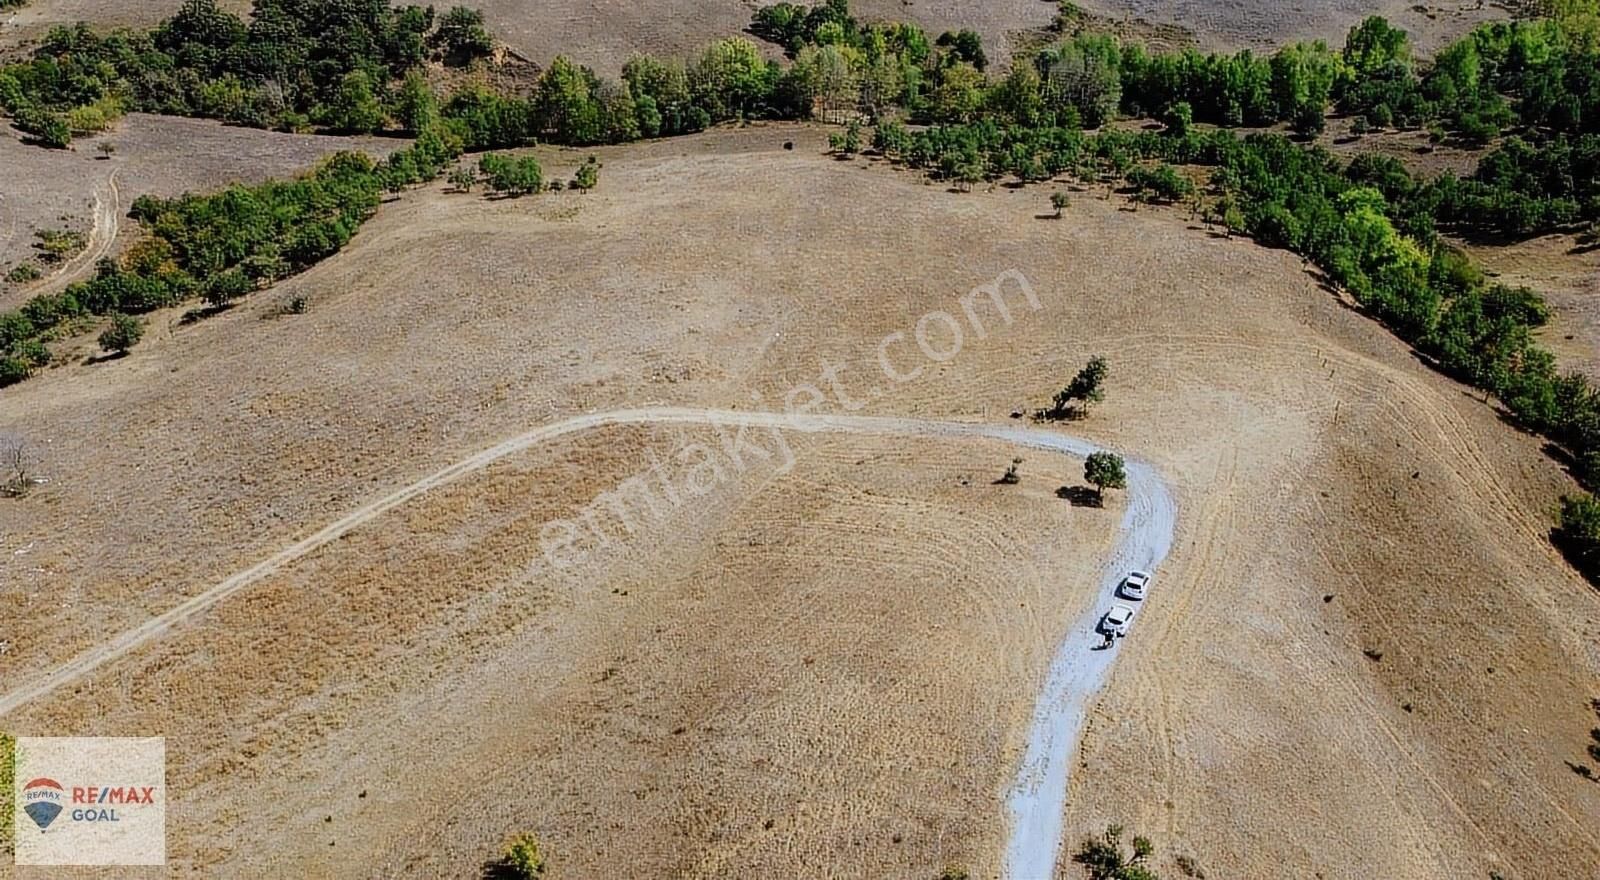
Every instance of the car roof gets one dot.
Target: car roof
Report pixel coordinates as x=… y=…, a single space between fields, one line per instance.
x=1120 y=610
x=1142 y=575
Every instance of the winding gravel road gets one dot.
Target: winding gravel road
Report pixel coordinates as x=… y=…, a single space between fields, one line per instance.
x=1038 y=798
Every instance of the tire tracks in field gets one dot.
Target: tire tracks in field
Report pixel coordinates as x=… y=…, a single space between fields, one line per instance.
x=1037 y=800
x=102 y=235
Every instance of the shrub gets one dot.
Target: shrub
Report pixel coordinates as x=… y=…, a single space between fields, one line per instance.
x=12 y=371
x=23 y=273
x=588 y=175
x=43 y=127
x=523 y=857
x=122 y=334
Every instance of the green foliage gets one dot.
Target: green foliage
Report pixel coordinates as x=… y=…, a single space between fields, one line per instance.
x=329 y=60
x=122 y=334
x=1105 y=470
x=965 y=46
x=1059 y=201
x=415 y=105
x=463 y=178
x=462 y=34
x=22 y=273
x=8 y=772
x=511 y=175
x=1160 y=182
x=1178 y=118
x=1577 y=532
x=1104 y=858
x=1088 y=386
x=43 y=127
x=524 y=858
x=587 y=176
x=354 y=108
x=57 y=245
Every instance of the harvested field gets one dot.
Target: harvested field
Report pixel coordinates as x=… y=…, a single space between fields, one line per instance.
x=1362 y=657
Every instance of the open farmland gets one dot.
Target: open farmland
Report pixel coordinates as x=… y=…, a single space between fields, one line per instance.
x=1335 y=497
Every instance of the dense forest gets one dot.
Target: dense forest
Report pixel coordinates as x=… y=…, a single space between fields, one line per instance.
x=1529 y=90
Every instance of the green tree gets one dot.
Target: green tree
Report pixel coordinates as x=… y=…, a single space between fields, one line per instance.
x=1083 y=75
x=415 y=105
x=122 y=334
x=514 y=176
x=1059 y=201
x=463 y=178
x=524 y=858
x=1577 y=532
x=462 y=35
x=1087 y=386
x=1374 y=44
x=565 y=106
x=355 y=108
x=225 y=287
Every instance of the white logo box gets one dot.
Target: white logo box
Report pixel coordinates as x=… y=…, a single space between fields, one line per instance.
x=91 y=800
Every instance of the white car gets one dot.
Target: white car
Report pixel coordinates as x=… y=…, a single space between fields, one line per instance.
x=1116 y=621
x=1135 y=585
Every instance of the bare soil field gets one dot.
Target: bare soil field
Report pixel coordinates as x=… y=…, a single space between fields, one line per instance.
x=1237 y=24
x=605 y=33
x=1361 y=659
x=155 y=155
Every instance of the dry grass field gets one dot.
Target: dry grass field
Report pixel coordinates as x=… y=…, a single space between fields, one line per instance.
x=1361 y=659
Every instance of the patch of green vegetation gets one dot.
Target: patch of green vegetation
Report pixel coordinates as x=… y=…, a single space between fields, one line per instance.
x=22 y=273
x=1105 y=858
x=523 y=858
x=8 y=772
x=58 y=245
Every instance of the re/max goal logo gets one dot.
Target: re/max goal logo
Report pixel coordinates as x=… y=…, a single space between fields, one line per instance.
x=90 y=803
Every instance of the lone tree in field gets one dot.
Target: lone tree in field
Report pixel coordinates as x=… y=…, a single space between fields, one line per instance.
x=1104 y=470
x=124 y=333
x=1088 y=386
x=1058 y=200
x=523 y=858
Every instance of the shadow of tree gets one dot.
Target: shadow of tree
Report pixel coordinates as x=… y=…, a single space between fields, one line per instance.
x=1081 y=496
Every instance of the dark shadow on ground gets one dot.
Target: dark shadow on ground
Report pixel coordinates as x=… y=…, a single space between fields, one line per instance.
x=1081 y=496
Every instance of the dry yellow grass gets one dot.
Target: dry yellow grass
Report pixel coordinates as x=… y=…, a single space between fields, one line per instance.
x=1312 y=457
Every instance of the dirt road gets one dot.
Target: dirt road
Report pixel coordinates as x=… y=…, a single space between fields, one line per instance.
x=107 y=223
x=1038 y=798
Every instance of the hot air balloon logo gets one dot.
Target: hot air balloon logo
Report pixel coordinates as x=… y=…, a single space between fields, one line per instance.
x=41 y=800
